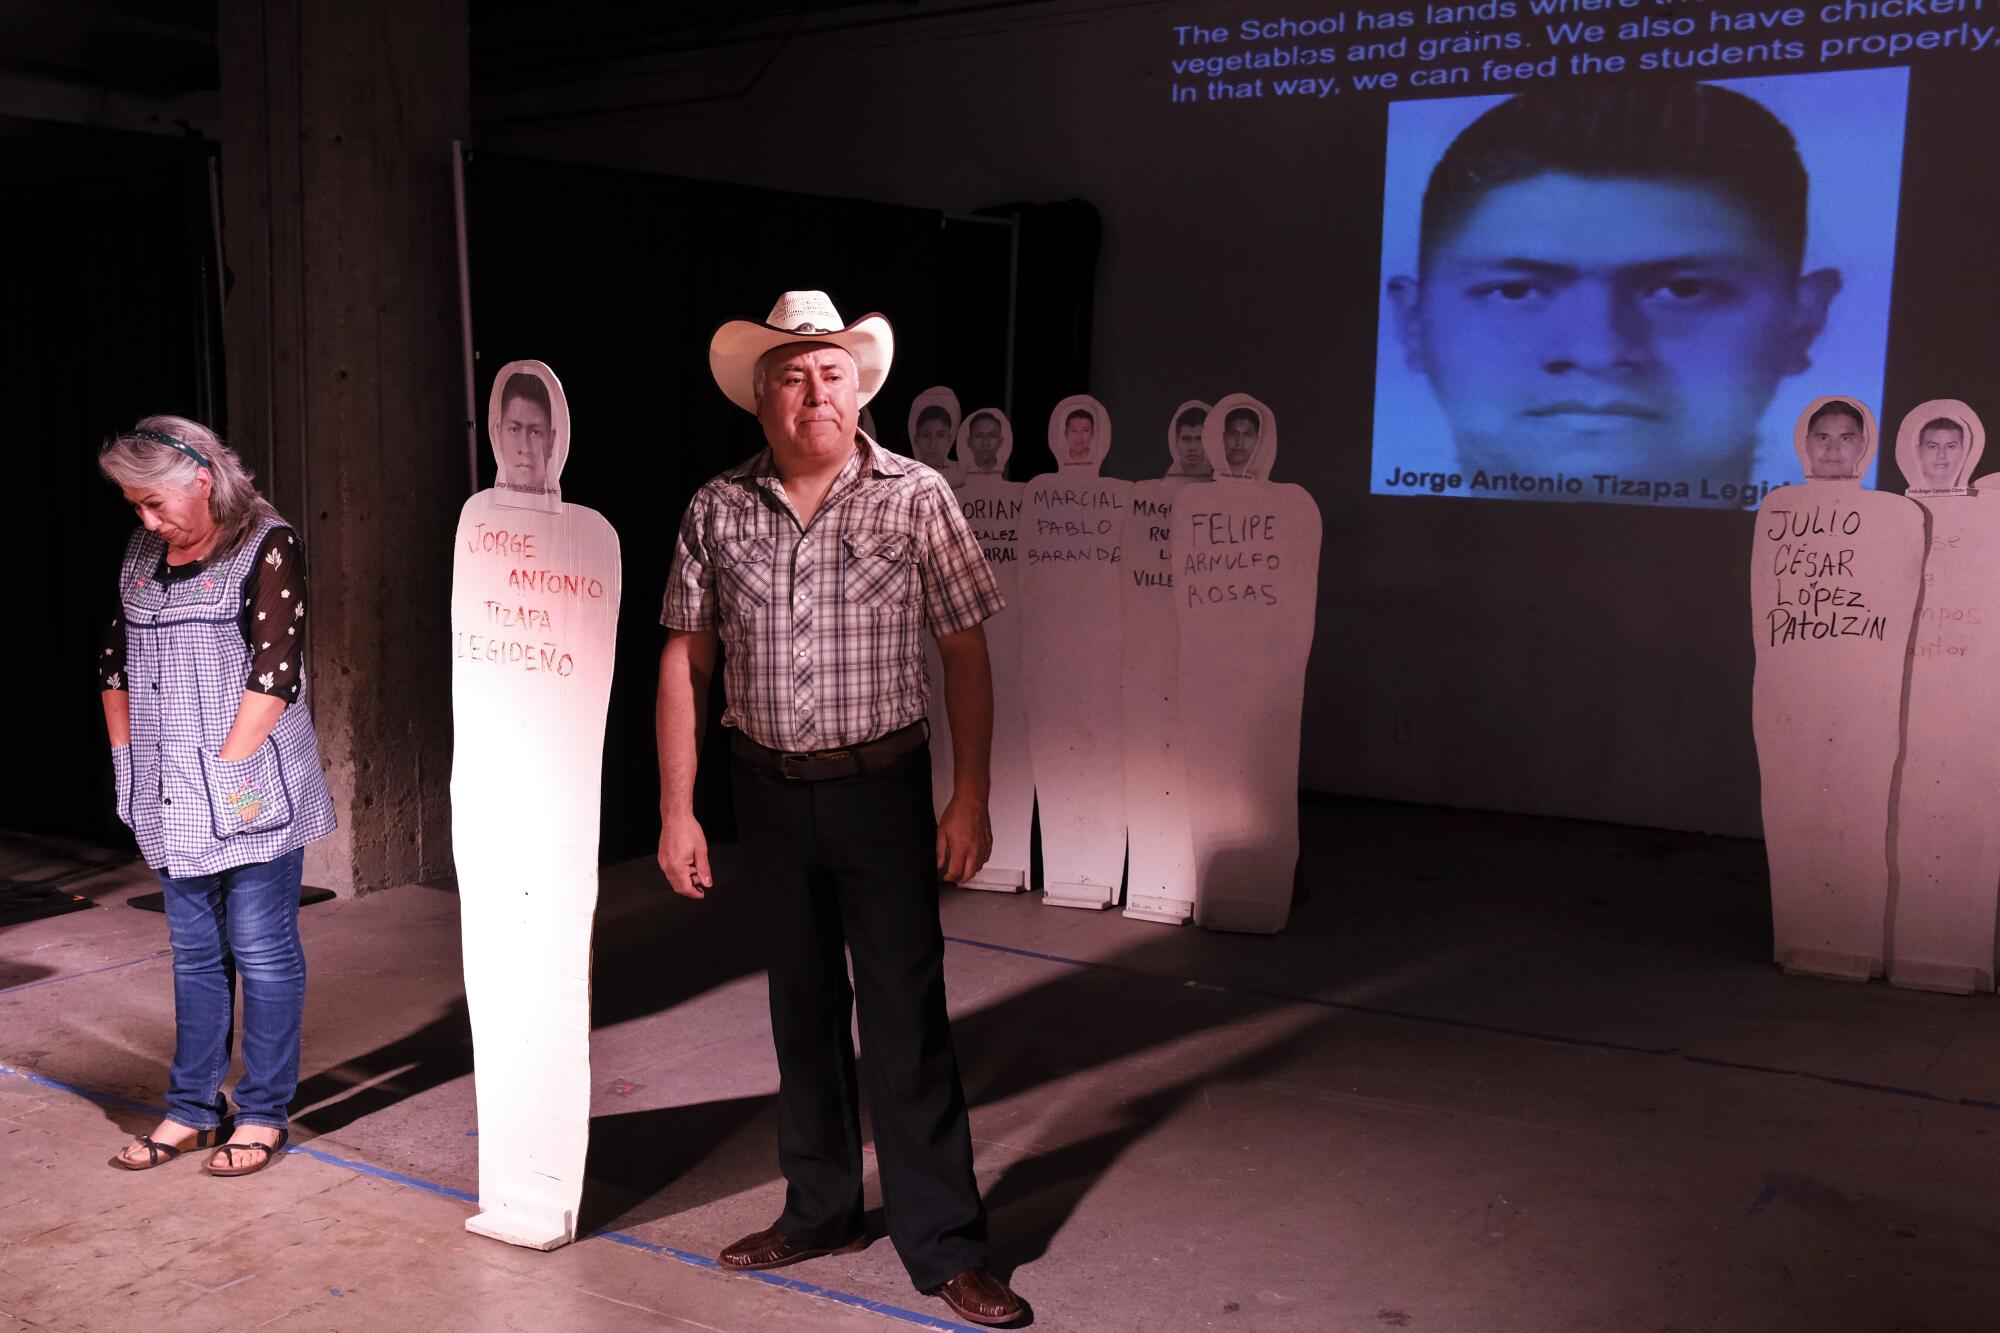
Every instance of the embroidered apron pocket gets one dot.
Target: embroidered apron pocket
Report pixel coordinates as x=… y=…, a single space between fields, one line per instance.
x=246 y=795
x=743 y=571
x=876 y=570
x=121 y=781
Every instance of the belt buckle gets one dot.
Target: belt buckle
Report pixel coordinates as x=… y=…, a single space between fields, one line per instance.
x=806 y=761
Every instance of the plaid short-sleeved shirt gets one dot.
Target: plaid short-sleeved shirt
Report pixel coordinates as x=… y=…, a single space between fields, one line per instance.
x=822 y=627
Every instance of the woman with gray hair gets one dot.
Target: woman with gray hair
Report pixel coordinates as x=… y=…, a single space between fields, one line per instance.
x=204 y=686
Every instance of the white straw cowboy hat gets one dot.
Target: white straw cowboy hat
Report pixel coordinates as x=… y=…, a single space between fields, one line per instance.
x=799 y=317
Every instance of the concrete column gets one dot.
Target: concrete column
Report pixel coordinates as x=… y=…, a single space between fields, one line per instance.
x=341 y=329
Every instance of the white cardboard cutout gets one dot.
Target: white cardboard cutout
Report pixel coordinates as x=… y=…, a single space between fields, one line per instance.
x=1072 y=535
x=534 y=616
x=1946 y=841
x=864 y=421
x=992 y=508
x=1159 y=869
x=978 y=451
x=1835 y=573
x=1246 y=568
x=931 y=441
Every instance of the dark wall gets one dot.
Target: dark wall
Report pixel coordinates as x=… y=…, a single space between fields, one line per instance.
x=1582 y=660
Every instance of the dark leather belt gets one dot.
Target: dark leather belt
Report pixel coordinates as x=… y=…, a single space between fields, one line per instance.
x=819 y=765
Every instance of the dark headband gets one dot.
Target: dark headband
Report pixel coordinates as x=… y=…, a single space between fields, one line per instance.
x=161 y=437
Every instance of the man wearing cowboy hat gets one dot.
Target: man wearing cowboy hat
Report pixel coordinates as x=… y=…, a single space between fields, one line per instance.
x=820 y=563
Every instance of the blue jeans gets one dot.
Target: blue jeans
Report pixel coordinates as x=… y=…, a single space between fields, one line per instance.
x=241 y=921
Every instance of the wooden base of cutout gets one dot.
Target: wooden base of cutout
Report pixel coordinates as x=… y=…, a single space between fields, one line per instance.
x=1172 y=911
x=1831 y=966
x=529 y=1229
x=997 y=879
x=1946 y=978
x=1094 y=897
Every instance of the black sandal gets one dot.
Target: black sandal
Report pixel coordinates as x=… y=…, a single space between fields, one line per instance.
x=159 y=1154
x=270 y=1151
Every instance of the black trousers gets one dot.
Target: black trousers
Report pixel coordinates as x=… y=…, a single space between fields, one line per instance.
x=852 y=861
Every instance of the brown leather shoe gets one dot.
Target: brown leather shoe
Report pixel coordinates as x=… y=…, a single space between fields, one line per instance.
x=772 y=1248
x=977 y=1295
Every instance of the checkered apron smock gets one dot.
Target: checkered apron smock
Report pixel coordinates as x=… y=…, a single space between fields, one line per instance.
x=186 y=665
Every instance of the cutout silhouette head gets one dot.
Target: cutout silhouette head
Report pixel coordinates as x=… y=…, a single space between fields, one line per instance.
x=1938 y=445
x=1241 y=438
x=527 y=422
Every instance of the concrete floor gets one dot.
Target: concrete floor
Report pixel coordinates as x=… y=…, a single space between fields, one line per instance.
x=1501 y=1075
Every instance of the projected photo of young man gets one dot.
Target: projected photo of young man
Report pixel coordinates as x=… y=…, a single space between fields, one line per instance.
x=1609 y=279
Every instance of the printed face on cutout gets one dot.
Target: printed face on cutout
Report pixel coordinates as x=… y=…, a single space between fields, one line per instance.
x=1240 y=430
x=983 y=439
x=1079 y=436
x=933 y=438
x=1622 y=324
x=1941 y=456
x=1834 y=446
x=1189 y=452
x=526 y=438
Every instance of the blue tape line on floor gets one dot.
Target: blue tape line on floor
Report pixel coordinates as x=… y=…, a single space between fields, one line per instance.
x=72 y=976
x=359 y=1167
x=78 y=1090
x=382 y=1173
x=1560 y=1039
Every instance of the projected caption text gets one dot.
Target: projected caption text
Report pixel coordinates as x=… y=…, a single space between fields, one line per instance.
x=1499 y=45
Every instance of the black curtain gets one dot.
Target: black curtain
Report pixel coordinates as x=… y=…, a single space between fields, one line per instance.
x=1057 y=284
x=113 y=314
x=616 y=280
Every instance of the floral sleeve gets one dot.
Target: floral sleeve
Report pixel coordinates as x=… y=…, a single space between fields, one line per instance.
x=111 y=648
x=274 y=617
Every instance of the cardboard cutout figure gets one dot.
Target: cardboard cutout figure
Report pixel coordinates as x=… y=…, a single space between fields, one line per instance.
x=864 y=421
x=992 y=507
x=1246 y=565
x=985 y=443
x=934 y=420
x=534 y=617
x=1072 y=536
x=1946 y=842
x=1835 y=573
x=1159 y=869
